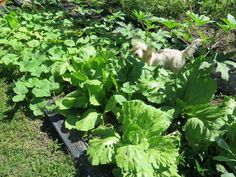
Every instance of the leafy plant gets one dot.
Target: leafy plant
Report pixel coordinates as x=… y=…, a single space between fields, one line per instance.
x=141 y=141
x=141 y=120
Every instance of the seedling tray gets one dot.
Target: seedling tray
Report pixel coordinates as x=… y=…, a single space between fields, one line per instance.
x=77 y=148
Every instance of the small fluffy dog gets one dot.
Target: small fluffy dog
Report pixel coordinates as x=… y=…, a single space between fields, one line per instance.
x=169 y=58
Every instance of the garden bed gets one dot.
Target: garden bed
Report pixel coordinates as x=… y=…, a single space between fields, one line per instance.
x=116 y=114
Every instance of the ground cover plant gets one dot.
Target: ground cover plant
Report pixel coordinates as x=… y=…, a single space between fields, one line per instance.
x=25 y=149
x=138 y=120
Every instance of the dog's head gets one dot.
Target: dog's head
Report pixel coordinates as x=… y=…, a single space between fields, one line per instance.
x=139 y=49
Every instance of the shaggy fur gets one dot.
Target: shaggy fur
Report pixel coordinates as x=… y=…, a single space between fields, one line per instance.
x=169 y=58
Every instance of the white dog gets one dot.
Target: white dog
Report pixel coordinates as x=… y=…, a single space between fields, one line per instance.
x=169 y=58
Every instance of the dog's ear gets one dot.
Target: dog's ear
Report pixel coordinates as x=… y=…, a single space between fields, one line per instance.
x=148 y=54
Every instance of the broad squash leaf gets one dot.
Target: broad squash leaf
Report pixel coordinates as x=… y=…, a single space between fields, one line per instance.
x=20 y=88
x=9 y=58
x=86 y=52
x=104 y=132
x=154 y=85
x=69 y=43
x=60 y=68
x=56 y=52
x=38 y=105
x=42 y=88
x=18 y=98
x=33 y=43
x=35 y=66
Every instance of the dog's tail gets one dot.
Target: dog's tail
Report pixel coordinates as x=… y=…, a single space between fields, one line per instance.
x=139 y=49
x=189 y=51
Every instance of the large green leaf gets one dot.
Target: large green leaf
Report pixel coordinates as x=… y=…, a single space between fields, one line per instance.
x=33 y=43
x=153 y=85
x=35 y=66
x=20 y=88
x=163 y=155
x=141 y=121
x=38 y=105
x=101 y=151
x=95 y=91
x=141 y=151
x=195 y=86
x=42 y=88
x=69 y=43
x=134 y=161
x=18 y=98
x=82 y=122
x=159 y=159
x=12 y=20
x=169 y=23
x=9 y=59
x=204 y=125
x=60 y=67
x=114 y=104
x=56 y=52
x=76 y=99
x=88 y=121
x=87 y=51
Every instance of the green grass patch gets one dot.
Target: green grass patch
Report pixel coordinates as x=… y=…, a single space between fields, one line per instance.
x=25 y=147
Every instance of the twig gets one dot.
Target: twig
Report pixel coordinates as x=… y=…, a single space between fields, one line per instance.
x=211 y=48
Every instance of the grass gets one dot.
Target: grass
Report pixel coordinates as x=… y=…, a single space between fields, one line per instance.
x=27 y=146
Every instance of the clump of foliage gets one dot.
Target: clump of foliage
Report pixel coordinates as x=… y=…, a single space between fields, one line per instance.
x=156 y=7
x=173 y=8
x=145 y=121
